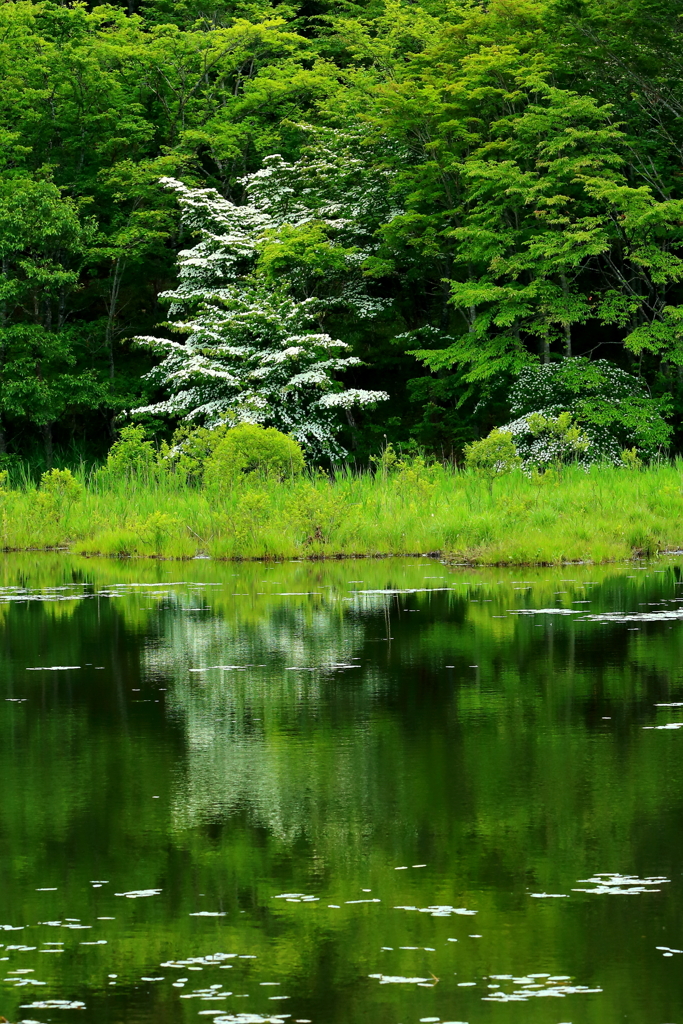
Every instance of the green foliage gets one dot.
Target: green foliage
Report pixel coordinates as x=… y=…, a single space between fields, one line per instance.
x=248 y=517
x=386 y=461
x=316 y=512
x=561 y=440
x=472 y=185
x=190 y=448
x=631 y=459
x=156 y=529
x=249 y=448
x=61 y=486
x=493 y=455
x=131 y=454
x=50 y=505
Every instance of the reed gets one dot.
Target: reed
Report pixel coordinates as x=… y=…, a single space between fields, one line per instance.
x=604 y=514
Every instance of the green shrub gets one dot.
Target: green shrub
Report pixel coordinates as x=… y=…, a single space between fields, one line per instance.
x=58 y=491
x=557 y=440
x=316 y=512
x=249 y=448
x=131 y=455
x=156 y=528
x=249 y=515
x=493 y=455
x=191 y=447
x=385 y=462
x=62 y=486
x=630 y=458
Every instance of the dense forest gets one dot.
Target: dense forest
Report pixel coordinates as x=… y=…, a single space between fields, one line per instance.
x=452 y=192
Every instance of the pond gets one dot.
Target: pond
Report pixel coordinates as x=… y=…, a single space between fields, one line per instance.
x=367 y=791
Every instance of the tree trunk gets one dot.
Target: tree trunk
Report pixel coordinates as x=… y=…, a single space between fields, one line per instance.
x=566 y=326
x=354 y=429
x=119 y=268
x=47 y=439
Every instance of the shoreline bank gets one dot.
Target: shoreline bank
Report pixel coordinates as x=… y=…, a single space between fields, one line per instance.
x=605 y=515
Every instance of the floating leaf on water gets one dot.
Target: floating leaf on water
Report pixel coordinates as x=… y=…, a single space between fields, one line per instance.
x=537 y=986
x=543 y=611
x=441 y=911
x=661 y=616
x=53 y=668
x=137 y=894
x=212 y=958
x=607 y=883
x=394 y=979
x=55 y=1004
x=550 y=895
x=249 y=1018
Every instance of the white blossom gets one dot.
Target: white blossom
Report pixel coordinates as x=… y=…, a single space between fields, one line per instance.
x=254 y=350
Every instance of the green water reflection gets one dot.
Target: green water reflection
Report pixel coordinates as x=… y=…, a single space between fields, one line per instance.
x=262 y=748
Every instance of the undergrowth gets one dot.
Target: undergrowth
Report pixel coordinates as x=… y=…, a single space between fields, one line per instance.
x=601 y=514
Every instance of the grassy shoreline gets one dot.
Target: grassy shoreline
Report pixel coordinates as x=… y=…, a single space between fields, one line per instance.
x=603 y=515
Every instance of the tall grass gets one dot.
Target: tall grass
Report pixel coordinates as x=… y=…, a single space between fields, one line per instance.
x=604 y=514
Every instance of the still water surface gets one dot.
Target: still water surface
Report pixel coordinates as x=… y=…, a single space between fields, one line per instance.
x=345 y=793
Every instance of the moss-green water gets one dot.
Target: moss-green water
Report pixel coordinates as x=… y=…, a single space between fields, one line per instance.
x=223 y=734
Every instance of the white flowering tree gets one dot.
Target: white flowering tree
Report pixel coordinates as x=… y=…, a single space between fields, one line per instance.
x=254 y=295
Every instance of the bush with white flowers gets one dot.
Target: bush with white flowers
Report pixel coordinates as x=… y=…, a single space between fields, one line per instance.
x=253 y=296
x=583 y=411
